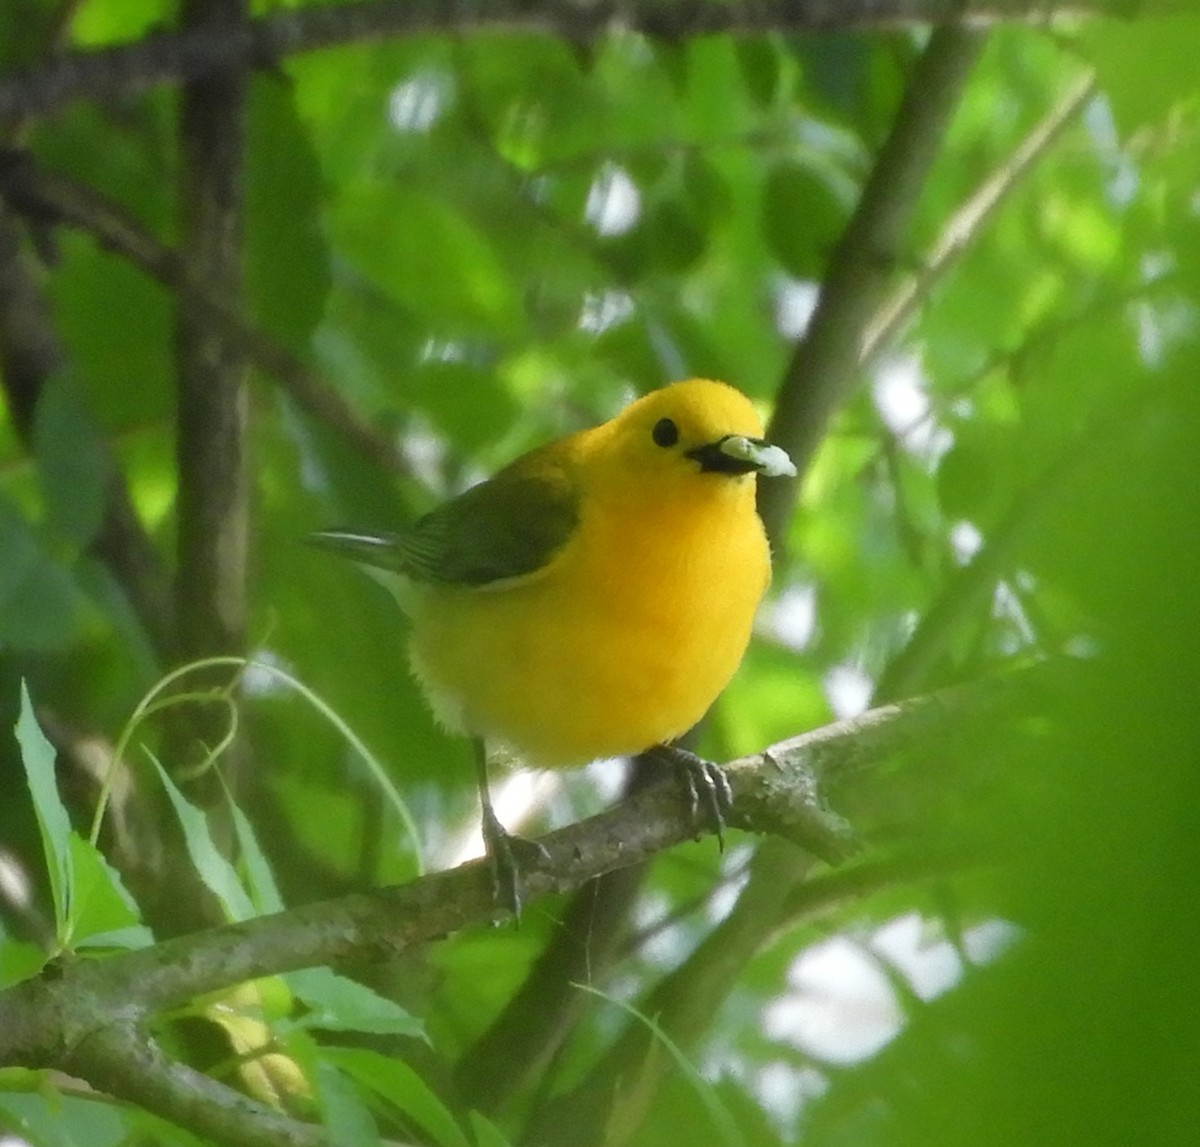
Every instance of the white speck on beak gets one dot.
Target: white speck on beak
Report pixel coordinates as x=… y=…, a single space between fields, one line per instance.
x=768 y=460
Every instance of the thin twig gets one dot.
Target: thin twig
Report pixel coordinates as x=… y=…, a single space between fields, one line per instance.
x=964 y=226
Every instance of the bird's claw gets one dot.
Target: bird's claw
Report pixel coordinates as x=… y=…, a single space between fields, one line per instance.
x=705 y=787
x=509 y=856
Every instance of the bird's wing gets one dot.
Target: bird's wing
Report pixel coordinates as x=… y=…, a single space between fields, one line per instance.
x=508 y=527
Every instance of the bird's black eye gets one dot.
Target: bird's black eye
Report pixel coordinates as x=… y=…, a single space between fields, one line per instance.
x=665 y=433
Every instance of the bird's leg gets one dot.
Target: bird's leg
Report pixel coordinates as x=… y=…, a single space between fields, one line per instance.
x=704 y=785
x=506 y=853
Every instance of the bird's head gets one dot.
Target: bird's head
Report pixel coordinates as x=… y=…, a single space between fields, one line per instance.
x=689 y=435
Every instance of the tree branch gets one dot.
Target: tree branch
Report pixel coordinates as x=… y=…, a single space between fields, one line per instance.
x=122 y=70
x=81 y=1010
x=41 y=194
x=817 y=379
x=684 y=1002
x=964 y=226
x=212 y=448
x=122 y=1059
x=539 y=1016
x=825 y=364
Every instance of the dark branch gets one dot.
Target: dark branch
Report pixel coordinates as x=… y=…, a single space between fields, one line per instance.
x=212 y=447
x=78 y=1010
x=824 y=367
x=125 y=69
x=58 y=200
x=121 y=1059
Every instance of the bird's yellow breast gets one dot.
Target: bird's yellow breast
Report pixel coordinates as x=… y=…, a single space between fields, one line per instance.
x=622 y=641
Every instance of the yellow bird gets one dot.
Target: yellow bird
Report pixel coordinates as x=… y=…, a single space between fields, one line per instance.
x=595 y=596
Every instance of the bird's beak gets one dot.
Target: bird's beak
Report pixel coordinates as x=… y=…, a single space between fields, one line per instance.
x=737 y=454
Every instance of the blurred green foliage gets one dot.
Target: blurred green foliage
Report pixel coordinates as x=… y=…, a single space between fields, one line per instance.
x=483 y=241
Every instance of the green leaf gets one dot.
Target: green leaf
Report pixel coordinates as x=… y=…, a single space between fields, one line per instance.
x=487 y=1134
x=427 y=255
x=802 y=219
x=39 y=602
x=53 y=1120
x=758 y=61
x=343 y=1111
x=106 y=23
x=1144 y=67
x=837 y=69
x=401 y=1086
x=263 y=889
x=287 y=254
x=18 y=961
x=71 y=460
x=675 y=238
x=19 y=547
x=465 y=402
x=341 y=1004
x=117 y=323
x=218 y=875
x=974 y=477
x=705 y=190
x=102 y=911
x=54 y=825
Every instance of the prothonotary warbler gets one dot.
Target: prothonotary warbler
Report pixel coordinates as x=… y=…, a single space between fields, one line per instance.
x=593 y=598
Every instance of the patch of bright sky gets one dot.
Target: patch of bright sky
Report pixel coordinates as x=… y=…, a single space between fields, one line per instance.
x=795 y=301
x=416 y=104
x=1007 y=605
x=840 y=1008
x=735 y=872
x=901 y=397
x=1123 y=177
x=14 y=881
x=423 y=452
x=1082 y=645
x=258 y=680
x=613 y=202
x=791 y=618
x=604 y=309
x=519 y=793
x=515 y=796
x=606 y=778
x=965 y=540
x=849 y=690
x=666 y=944
x=784 y=1088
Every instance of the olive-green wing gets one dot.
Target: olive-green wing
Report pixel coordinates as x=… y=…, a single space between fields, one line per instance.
x=508 y=527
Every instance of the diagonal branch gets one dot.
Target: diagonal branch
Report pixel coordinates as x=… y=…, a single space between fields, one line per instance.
x=124 y=1060
x=824 y=367
x=964 y=226
x=56 y=199
x=818 y=380
x=73 y=1018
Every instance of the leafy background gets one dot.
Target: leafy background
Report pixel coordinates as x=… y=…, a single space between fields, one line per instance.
x=474 y=242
